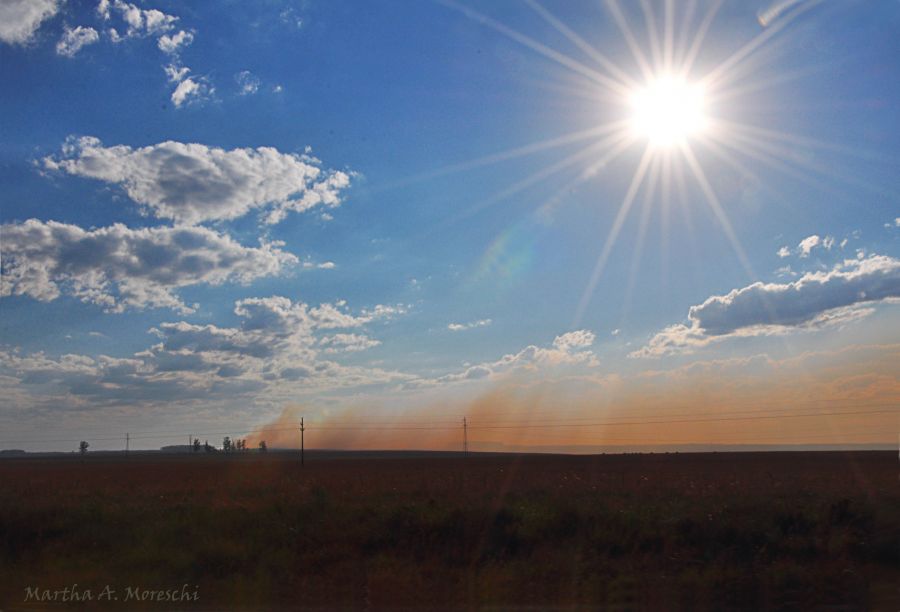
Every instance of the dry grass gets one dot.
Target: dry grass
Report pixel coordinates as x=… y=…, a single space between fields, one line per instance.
x=799 y=530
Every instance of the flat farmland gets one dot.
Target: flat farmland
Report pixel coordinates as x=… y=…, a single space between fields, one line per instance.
x=706 y=530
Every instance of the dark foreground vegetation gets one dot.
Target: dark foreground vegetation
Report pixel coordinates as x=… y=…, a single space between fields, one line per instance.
x=767 y=530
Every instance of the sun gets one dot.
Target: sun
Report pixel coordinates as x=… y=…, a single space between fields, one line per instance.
x=668 y=110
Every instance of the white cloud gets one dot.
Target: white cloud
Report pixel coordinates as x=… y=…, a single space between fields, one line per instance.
x=248 y=83
x=325 y=265
x=574 y=340
x=784 y=252
x=289 y=16
x=276 y=352
x=785 y=271
x=191 y=90
x=103 y=9
x=174 y=43
x=808 y=244
x=194 y=183
x=120 y=268
x=347 y=343
x=140 y=22
x=176 y=73
x=465 y=326
x=815 y=300
x=828 y=242
x=73 y=40
x=569 y=349
x=20 y=19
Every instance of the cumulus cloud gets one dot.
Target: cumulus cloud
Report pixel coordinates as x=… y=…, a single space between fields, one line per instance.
x=784 y=252
x=20 y=19
x=195 y=183
x=276 y=350
x=569 y=349
x=465 y=326
x=120 y=268
x=73 y=40
x=174 y=43
x=808 y=244
x=575 y=340
x=248 y=83
x=814 y=300
x=190 y=90
x=347 y=343
x=175 y=72
x=138 y=21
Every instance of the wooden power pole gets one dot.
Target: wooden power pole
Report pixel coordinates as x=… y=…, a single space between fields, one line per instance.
x=302 y=429
x=127 y=442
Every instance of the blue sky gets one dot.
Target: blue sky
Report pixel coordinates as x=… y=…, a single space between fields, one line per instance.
x=216 y=212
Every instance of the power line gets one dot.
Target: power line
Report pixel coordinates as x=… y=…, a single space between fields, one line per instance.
x=571 y=422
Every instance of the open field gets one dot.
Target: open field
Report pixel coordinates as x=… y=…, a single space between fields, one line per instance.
x=745 y=530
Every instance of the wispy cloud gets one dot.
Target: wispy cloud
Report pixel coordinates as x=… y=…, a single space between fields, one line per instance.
x=248 y=83
x=465 y=326
x=74 y=39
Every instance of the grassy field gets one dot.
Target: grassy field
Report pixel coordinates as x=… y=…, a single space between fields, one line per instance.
x=723 y=530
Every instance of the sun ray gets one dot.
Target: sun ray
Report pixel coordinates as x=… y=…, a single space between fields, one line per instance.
x=684 y=32
x=829 y=172
x=633 y=188
x=807 y=141
x=717 y=209
x=652 y=34
x=550 y=203
x=582 y=44
x=534 y=45
x=725 y=94
x=688 y=62
x=687 y=215
x=622 y=23
x=721 y=153
x=612 y=142
x=669 y=35
x=664 y=210
x=509 y=154
x=637 y=254
x=720 y=71
x=751 y=149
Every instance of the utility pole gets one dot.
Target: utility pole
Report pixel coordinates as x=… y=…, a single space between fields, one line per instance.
x=302 y=429
x=127 y=442
x=465 y=437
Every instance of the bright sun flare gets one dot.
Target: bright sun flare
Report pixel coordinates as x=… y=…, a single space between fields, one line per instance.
x=668 y=110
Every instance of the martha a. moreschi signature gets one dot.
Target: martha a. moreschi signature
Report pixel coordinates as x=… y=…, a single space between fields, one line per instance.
x=108 y=593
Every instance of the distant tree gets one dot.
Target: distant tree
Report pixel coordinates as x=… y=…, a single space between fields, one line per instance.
x=262 y=446
x=242 y=444
x=82 y=447
x=195 y=446
x=226 y=444
x=207 y=447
